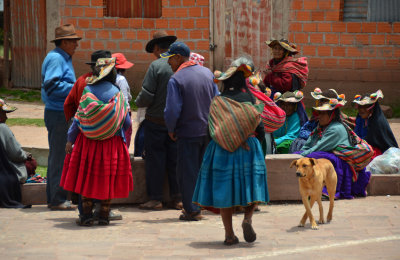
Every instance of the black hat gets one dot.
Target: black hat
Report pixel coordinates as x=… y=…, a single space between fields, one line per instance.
x=99 y=54
x=158 y=37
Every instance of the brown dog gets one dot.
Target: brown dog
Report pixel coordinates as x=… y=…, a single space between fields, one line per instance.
x=313 y=175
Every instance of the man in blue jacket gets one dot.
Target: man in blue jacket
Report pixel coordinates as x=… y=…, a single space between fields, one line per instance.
x=58 y=77
x=189 y=94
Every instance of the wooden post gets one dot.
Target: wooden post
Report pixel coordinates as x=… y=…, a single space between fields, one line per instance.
x=6 y=35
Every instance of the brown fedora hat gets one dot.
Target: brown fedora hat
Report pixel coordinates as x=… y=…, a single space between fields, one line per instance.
x=66 y=31
x=160 y=36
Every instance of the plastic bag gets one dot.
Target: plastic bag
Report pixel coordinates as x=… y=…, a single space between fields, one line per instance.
x=387 y=163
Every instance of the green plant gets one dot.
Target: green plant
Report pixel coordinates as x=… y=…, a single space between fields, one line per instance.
x=42 y=170
x=26 y=121
x=29 y=95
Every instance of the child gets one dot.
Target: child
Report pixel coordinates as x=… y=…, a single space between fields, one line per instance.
x=122 y=65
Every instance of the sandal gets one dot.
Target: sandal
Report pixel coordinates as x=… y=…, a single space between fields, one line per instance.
x=104 y=222
x=85 y=220
x=231 y=241
x=194 y=216
x=151 y=204
x=248 y=231
x=64 y=206
x=175 y=205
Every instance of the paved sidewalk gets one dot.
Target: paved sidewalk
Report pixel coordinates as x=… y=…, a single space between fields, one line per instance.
x=367 y=228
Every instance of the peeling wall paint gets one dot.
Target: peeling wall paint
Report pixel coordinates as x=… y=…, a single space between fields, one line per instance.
x=241 y=27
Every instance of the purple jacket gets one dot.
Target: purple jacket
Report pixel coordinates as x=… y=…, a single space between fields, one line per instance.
x=189 y=95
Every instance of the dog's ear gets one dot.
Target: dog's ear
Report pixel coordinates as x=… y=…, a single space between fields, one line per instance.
x=293 y=163
x=312 y=161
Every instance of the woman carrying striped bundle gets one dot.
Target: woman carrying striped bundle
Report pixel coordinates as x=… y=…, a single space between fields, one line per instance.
x=233 y=171
x=98 y=165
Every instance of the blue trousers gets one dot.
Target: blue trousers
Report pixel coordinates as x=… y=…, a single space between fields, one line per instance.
x=160 y=157
x=57 y=129
x=190 y=157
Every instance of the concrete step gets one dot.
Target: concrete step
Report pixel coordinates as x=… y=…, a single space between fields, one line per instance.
x=282 y=183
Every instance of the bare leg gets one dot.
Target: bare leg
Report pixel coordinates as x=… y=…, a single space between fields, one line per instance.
x=248 y=211
x=248 y=231
x=226 y=215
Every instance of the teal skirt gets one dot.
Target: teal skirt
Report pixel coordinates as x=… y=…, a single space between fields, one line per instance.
x=232 y=179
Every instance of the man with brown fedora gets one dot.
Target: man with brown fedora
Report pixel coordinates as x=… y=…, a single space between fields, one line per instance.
x=160 y=150
x=58 y=77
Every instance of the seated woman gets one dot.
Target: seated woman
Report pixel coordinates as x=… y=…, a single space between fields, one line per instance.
x=296 y=117
x=327 y=140
x=321 y=97
x=12 y=163
x=371 y=123
x=234 y=175
x=284 y=72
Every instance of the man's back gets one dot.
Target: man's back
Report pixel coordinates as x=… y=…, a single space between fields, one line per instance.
x=154 y=88
x=196 y=88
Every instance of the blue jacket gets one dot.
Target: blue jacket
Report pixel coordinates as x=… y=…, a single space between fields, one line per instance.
x=289 y=131
x=335 y=134
x=189 y=95
x=58 y=77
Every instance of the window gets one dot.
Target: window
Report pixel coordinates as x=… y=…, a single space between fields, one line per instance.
x=371 y=10
x=132 y=8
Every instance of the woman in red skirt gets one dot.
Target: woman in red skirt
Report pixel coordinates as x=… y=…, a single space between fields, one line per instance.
x=97 y=164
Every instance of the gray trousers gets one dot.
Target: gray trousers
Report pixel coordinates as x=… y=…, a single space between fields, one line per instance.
x=57 y=129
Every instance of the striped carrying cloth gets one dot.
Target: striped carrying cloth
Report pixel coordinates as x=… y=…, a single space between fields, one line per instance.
x=272 y=116
x=100 y=121
x=357 y=156
x=231 y=122
x=296 y=66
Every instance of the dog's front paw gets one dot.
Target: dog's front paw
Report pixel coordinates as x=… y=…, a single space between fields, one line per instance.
x=300 y=225
x=321 y=221
x=314 y=226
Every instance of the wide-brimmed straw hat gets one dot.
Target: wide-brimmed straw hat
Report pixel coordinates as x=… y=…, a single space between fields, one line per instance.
x=121 y=61
x=318 y=94
x=221 y=76
x=6 y=108
x=158 y=37
x=66 y=31
x=331 y=105
x=368 y=100
x=291 y=97
x=104 y=66
x=284 y=44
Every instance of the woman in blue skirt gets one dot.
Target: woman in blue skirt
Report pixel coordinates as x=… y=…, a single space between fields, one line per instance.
x=237 y=176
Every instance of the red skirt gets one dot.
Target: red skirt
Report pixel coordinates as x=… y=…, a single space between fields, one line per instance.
x=98 y=169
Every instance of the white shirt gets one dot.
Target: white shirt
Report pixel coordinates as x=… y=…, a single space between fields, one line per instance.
x=123 y=85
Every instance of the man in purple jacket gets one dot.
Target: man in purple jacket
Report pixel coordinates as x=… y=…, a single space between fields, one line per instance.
x=189 y=94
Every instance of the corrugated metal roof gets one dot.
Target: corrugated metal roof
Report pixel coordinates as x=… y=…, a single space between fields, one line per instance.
x=384 y=11
x=355 y=10
x=371 y=10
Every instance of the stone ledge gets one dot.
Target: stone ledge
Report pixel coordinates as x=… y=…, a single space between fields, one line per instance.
x=282 y=183
x=384 y=184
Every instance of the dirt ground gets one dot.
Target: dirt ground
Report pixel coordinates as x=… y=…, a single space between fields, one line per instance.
x=31 y=136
